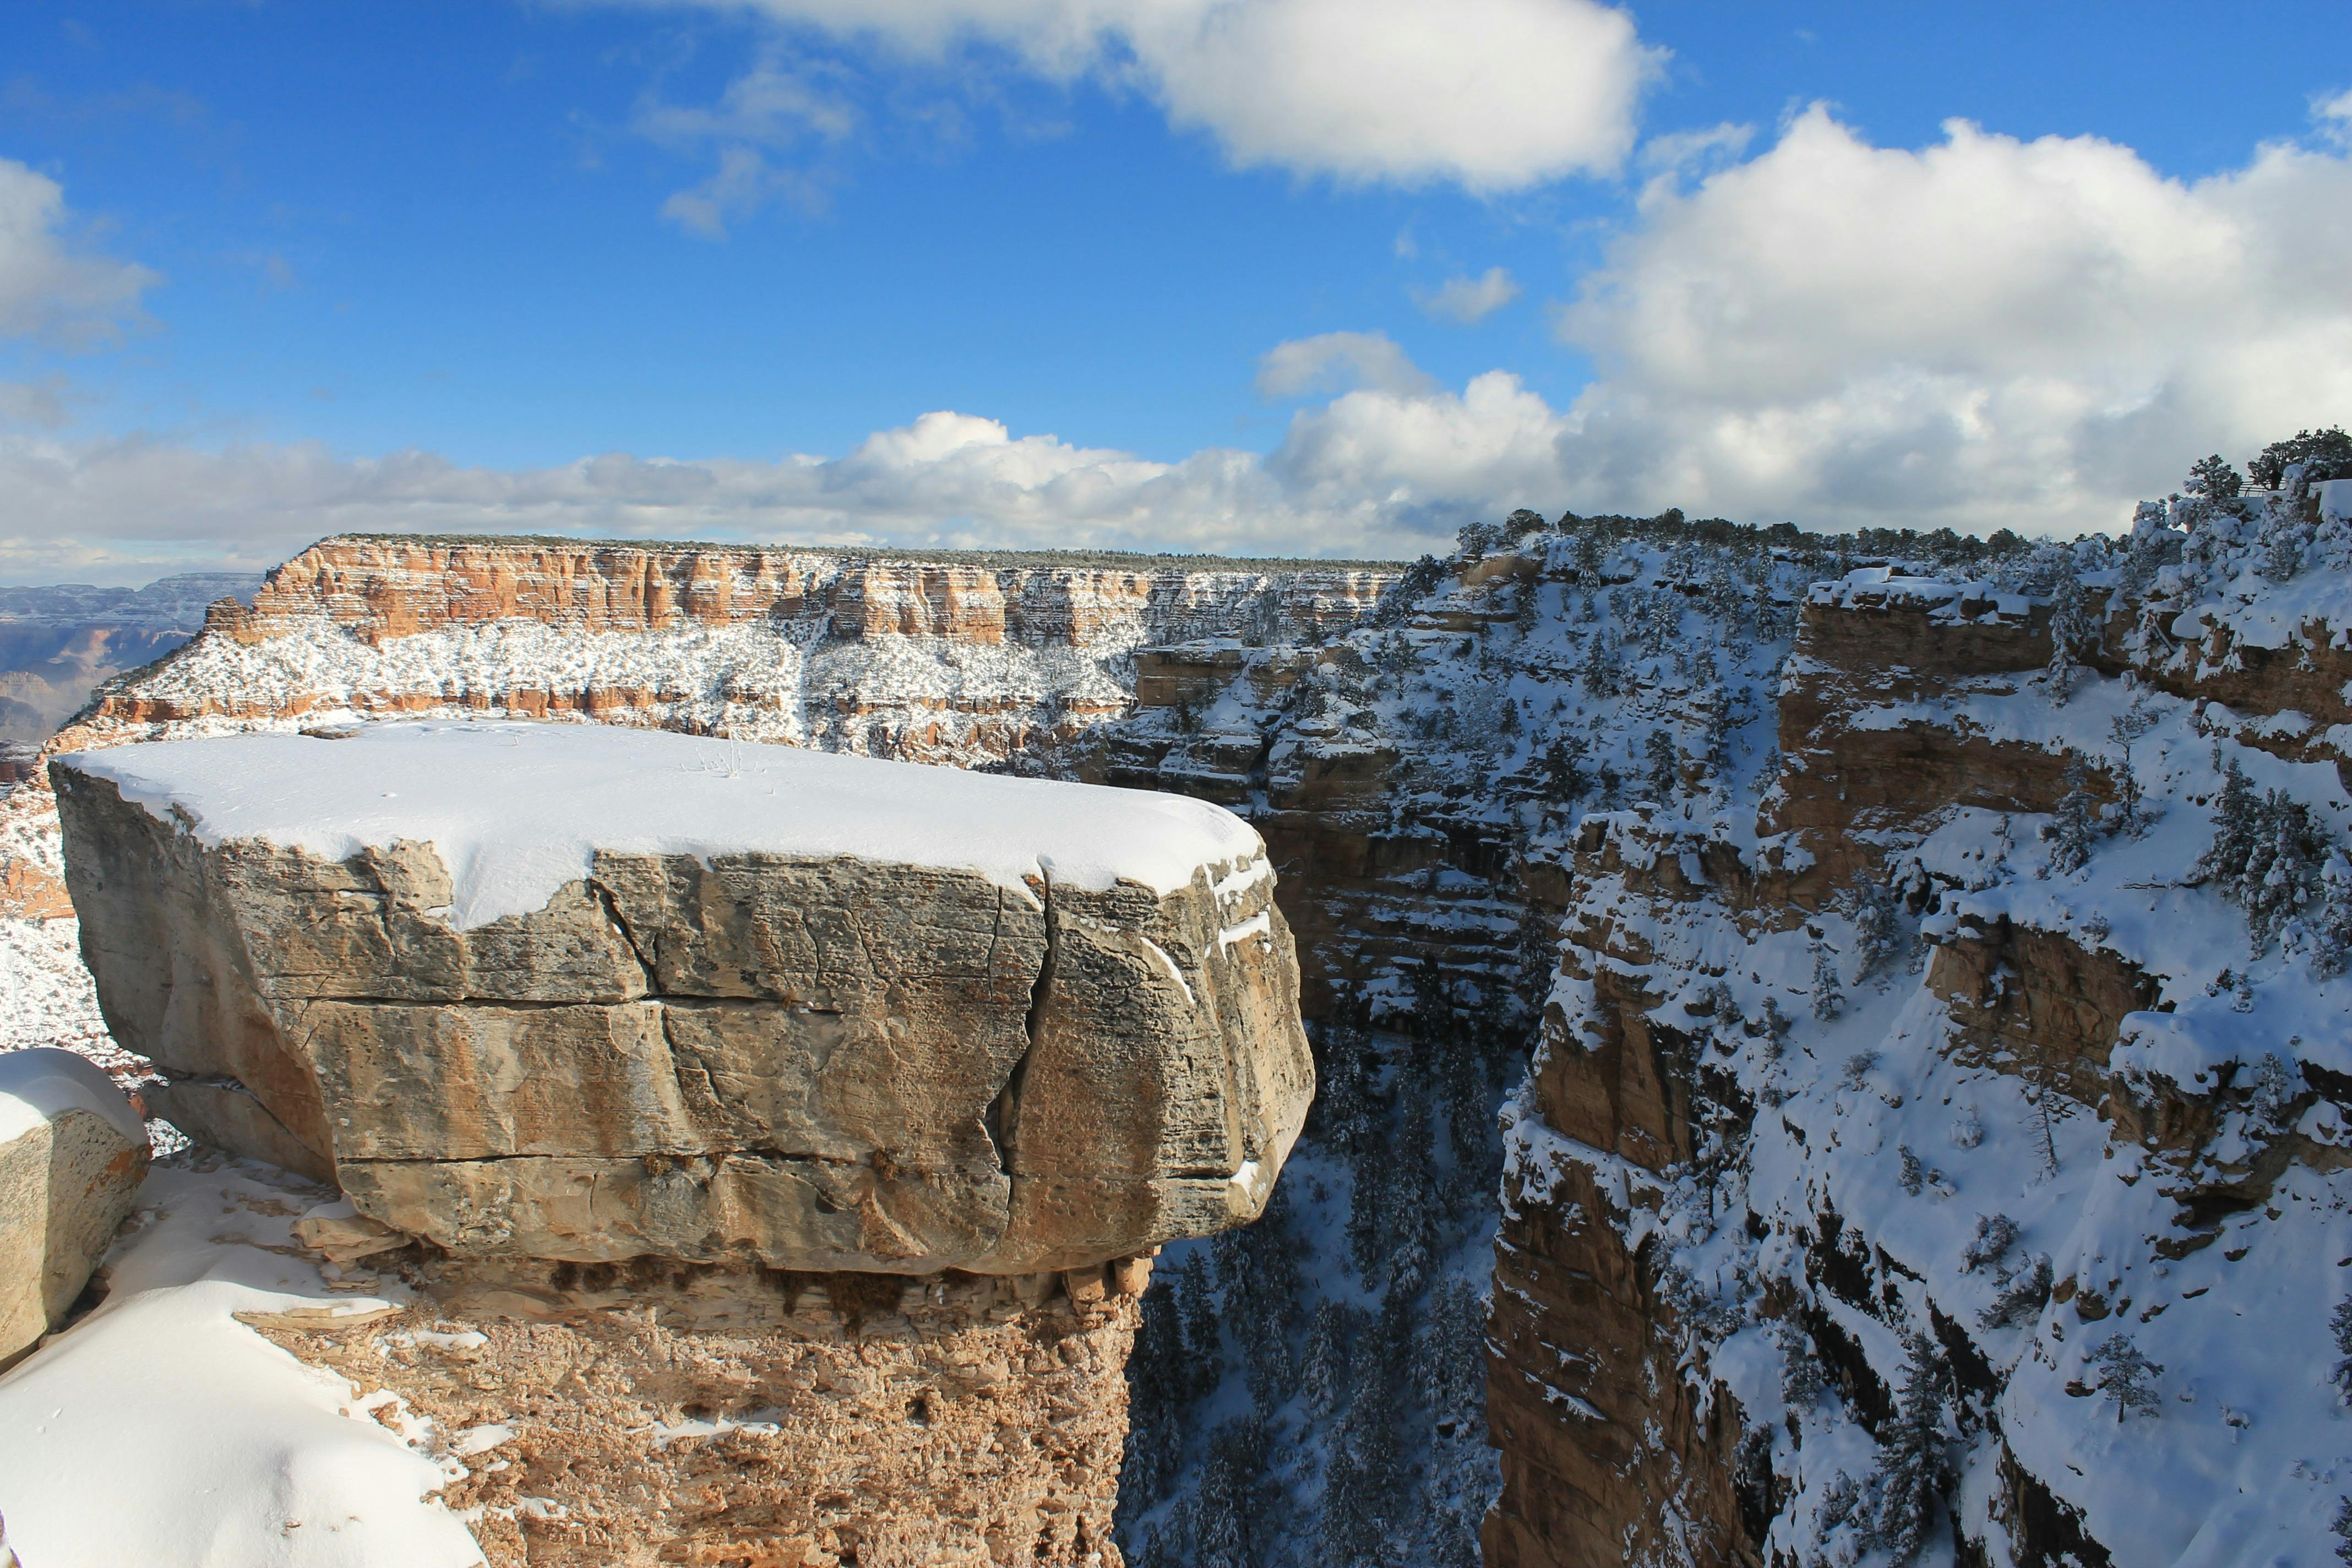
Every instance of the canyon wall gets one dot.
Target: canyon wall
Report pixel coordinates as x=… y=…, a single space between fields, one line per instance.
x=1910 y=1176
x=1906 y=1075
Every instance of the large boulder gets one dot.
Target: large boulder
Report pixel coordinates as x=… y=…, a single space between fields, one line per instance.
x=585 y=992
x=72 y=1153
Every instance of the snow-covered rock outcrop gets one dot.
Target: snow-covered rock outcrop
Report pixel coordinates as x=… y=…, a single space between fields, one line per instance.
x=588 y=994
x=72 y=1151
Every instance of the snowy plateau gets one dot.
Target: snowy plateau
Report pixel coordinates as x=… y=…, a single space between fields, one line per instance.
x=1829 y=1050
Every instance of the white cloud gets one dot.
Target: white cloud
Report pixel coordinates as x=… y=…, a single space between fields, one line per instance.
x=2334 y=117
x=1985 y=332
x=1379 y=471
x=1982 y=333
x=1493 y=95
x=1469 y=300
x=778 y=107
x=1338 y=362
x=48 y=288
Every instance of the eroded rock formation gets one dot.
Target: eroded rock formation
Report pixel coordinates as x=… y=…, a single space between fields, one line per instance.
x=72 y=1151
x=582 y=994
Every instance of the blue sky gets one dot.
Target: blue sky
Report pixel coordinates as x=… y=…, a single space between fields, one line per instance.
x=419 y=264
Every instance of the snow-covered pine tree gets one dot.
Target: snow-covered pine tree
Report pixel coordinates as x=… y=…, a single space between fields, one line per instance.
x=1912 y=1175
x=2324 y=454
x=1412 y=1201
x=1561 y=764
x=1829 y=1001
x=1257 y=1269
x=1159 y=1392
x=1323 y=1368
x=1914 y=1465
x=2213 y=478
x=1367 y=1211
x=2343 y=1530
x=1230 y=1507
x=1878 y=937
x=1204 y=1355
x=1363 y=1484
x=2268 y=854
x=2340 y=1325
x=1659 y=765
x=2070 y=628
x=2126 y=1376
x=2076 y=827
x=2331 y=936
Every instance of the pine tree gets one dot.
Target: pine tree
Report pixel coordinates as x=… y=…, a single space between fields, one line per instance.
x=1914 y=1175
x=2069 y=627
x=1563 y=765
x=2126 y=1376
x=1367 y=1211
x=1878 y=927
x=1204 y=1352
x=2343 y=1530
x=1412 y=1203
x=1159 y=1392
x=1828 y=1000
x=1453 y=1357
x=2340 y=1325
x=2331 y=937
x=2269 y=854
x=1913 y=1464
x=1230 y=1507
x=2213 y=478
x=2077 y=824
x=1323 y=1371
x=1658 y=756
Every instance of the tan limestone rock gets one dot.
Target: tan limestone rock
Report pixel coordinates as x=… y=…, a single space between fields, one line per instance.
x=756 y=1036
x=72 y=1152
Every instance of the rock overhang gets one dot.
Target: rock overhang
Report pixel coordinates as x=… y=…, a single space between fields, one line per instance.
x=588 y=993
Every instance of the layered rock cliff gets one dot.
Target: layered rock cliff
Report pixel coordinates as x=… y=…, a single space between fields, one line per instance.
x=1945 y=1162
x=964 y=661
x=768 y=1144
x=1767 y=1284
x=577 y=994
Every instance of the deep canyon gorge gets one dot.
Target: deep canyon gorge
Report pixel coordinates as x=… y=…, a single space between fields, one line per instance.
x=1828 y=1050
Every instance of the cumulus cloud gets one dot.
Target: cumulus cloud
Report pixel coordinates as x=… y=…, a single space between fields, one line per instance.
x=1492 y=95
x=49 y=287
x=1469 y=300
x=1382 y=472
x=1339 y=361
x=1983 y=332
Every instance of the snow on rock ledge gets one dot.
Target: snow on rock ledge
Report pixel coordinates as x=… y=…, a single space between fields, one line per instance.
x=588 y=994
x=72 y=1151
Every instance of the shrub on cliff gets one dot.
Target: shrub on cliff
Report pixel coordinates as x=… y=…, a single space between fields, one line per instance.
x=2213 y=478
x=2268 y=855
x=2325 y=455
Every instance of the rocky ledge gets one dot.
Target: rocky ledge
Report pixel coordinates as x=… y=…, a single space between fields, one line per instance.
x=585 y=994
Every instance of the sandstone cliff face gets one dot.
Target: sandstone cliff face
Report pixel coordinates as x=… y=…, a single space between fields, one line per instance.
x=965 y=662
x=861 y=1015
x=658 y=1413
x=1921 y=1099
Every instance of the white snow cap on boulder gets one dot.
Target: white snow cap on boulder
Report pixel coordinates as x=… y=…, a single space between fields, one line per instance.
x=566 y=791
x=72 y=1153
x=821 y=1012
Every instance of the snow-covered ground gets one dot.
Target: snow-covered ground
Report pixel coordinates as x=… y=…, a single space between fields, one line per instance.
x=162 y=1430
